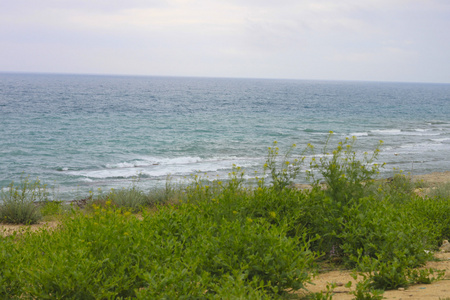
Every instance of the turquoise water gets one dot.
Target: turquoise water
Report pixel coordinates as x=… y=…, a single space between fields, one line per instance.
x=80 y=133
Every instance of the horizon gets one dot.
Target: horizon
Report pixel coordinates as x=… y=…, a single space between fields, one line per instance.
x=369 y=41
x=215 y=77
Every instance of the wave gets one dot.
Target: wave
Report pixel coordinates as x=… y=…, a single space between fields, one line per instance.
x=359 y=134
x=154 y=161
x=440 y=140
x=162 y=167
x=387 y=131
x=411 y=132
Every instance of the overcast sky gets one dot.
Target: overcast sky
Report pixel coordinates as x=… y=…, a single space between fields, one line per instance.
x=379 y=40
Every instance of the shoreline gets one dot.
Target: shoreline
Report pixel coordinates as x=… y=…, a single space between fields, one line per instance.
x=432 y=180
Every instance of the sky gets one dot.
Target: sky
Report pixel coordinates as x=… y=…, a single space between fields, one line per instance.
x=368 y=40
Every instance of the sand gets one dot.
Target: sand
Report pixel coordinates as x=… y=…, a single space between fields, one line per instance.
x=436 y=290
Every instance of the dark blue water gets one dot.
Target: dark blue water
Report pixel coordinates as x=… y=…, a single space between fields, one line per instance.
x=79 y=133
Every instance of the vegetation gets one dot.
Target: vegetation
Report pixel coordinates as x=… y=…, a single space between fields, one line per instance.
x=18 y=201
x=214 y=240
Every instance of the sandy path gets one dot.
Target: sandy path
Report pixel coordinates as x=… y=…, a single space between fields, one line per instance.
x=436 y=290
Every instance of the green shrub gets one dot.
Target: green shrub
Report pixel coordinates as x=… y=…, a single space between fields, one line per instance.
x=345 y=174
x=170 y=253
x=378 y=229
x=19 y=202
x=53 y=208
x=364 y=290
x=130 y=198
x=394 y=274
x=434 y=214
x=283 y=171
x=440 y=191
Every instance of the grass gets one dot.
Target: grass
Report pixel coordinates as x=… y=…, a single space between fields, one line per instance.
x=18 y=202
x=230 y=239
x=440 y=191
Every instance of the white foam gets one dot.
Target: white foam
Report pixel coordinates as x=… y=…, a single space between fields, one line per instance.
x=359 y=134
x=441 y=140
x=152 y=161
x=387 y=131
x=158 y=167
x=423 y=147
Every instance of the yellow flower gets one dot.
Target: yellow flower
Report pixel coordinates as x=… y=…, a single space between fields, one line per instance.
x=127 y=213
x=108 y=203
x=125 y=233
x=273 y=214
x=234 y=212
x=249 y=220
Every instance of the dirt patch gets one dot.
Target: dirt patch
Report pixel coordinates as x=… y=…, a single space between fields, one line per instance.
x=434 y=179
x=436 y=290
x=9 y=229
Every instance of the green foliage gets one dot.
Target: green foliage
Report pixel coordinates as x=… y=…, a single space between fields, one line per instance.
x=52 y=208
x=18 y=203
x=328 y=295
x=432 y=213
x=377 y=229
x=399 y=188
x=364 y=290
x=388 y=275
x=282 y=171
x=440 y=191
x=346 y=175
x=131 y=198
x=186 y=251
x=425 y=276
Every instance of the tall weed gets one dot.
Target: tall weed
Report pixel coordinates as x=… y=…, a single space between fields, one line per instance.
x=283 y=170
x=346 y=175
x=18 y=203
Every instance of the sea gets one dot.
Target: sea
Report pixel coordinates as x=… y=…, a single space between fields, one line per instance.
x=81 y=133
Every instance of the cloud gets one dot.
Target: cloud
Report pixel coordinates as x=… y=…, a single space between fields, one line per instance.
x=257 y=38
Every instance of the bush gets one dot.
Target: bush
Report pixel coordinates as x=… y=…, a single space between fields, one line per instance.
x=345 y=174
x=434 y=214
x=131 y=198
x=168 y=253
x=283 y=171
x=440 y=191
x=18 y=204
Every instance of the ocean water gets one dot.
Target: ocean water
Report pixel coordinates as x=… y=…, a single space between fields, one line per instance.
x=79 y=133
